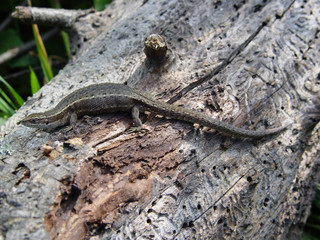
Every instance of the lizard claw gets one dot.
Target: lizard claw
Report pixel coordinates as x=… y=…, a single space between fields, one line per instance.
x=137 y=129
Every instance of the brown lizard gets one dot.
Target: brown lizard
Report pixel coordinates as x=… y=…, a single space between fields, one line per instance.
x=112 y=97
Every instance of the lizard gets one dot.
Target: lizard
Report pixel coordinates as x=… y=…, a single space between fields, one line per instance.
x=113 y=97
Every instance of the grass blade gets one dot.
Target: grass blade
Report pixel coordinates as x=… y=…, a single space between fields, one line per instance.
x=6 y=98
x=43 y=56
x=64 y=35
x=34 y=82
x=5 y=108
x=66 y=41
x=15 y=96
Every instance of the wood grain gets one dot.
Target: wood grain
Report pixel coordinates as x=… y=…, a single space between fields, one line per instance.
x=253 y=64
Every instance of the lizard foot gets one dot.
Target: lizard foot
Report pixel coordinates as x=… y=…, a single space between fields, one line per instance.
x=137 y=129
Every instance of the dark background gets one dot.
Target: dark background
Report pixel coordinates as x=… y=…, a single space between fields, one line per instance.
x=16 y=71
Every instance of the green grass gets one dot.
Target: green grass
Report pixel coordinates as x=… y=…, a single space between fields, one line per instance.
x=43 y=56
x=34 y=82
x=17 y=34
x=10 y=101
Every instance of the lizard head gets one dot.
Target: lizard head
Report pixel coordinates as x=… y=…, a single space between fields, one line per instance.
x=35 y=120
x=42 y=121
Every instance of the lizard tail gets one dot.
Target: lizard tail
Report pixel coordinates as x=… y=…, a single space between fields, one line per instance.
x=193 y=116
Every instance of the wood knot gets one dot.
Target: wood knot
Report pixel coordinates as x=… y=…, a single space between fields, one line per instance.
x=155 y=48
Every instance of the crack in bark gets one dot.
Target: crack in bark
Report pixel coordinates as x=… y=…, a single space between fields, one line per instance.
x=225 y=62
x=216 y=70
x=210 y=207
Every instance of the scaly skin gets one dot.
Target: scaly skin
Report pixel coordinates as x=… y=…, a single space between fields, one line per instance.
x=111 y=97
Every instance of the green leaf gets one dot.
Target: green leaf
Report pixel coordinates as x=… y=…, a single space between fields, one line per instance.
x=14 y=94
x=34 y=82
x=9 y=38
x=3 y=119
x=315 y=226
x=308 y=236
x=99 y=5
x=23 y=61
x=64 y=35
x=317 y=198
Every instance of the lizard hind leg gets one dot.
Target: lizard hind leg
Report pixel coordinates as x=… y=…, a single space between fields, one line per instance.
x=136 y=120
x=72 y=121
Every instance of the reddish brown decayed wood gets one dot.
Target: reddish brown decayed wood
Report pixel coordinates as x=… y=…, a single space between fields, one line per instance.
x=119 y=174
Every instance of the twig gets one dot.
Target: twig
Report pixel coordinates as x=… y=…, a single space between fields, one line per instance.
x=49 y=16
x=36 y=69
x=8 y=20
x=13 y=52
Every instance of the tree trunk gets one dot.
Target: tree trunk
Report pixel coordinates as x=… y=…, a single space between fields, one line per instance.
x=253 y=64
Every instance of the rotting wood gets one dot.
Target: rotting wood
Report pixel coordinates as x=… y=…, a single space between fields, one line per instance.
x=250 y=64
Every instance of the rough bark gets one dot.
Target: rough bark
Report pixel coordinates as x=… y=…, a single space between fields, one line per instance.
x=254 y=64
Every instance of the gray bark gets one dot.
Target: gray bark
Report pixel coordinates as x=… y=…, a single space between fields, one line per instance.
x=254 y=64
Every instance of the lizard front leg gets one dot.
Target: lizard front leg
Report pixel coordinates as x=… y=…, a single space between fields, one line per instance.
x=136 y=120
x=135 y=117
